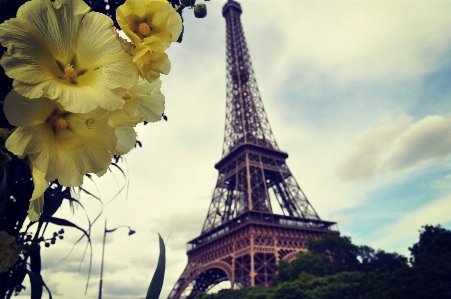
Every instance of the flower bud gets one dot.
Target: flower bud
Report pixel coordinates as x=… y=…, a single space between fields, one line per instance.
x=200 y=10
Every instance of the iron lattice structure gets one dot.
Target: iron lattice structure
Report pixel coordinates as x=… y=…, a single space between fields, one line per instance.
x=242 y=238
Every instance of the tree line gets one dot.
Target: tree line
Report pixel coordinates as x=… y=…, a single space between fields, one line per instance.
x=335 y=268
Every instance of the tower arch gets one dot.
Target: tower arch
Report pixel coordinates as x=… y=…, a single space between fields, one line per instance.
x=202 y=279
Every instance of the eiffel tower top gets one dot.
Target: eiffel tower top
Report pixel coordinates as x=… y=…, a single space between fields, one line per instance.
x=253 y=175
x=246 y=121
x=258 y=214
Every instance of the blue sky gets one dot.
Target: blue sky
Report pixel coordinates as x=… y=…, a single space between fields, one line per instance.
x=357 y=93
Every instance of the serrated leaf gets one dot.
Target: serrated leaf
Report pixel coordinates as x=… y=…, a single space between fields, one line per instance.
x=158 y=277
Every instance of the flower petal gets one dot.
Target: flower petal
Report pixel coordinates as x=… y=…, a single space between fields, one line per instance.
x=110 y=68
x=26 y=140
x=126 y=116
x=161 y=64
x=21 y=111
x=59 y=22
x=85 y=148
x=154 y=107
x=83 y=99
x=151 y=63
x=29 y=58
x=145 y=103
x=73 y=165
x=126 y=140
x=37 y=198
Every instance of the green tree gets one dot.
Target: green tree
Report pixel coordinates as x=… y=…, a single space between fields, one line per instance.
x=431 y=260
x=339 y=249
x=434 y=246
x=305 y=262
x=371 y=260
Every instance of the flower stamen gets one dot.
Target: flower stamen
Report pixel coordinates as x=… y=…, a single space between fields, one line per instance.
x=127 y=95
x=144 y=29
x=60 y=123
x=57 y=121
x=69 y=72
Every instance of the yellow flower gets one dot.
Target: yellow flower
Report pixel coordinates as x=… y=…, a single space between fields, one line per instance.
x=60 y=50
x=9 y=252
x=149 y=21
x=150 y=60
x=143 y=102
x=60 y=144
x=151 y=63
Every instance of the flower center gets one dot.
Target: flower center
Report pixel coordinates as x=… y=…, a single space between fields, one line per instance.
x=144 y=29
x=127 y=95
x=57 y=121
x=60 y=123
x=69 y=72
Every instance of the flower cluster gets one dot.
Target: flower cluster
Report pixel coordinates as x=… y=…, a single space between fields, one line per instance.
x=79 y=89
x=151 y=25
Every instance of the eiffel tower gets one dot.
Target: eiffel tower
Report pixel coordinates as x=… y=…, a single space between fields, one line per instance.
x=242 y=238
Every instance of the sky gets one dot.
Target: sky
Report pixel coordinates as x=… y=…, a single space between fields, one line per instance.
x=357 y=93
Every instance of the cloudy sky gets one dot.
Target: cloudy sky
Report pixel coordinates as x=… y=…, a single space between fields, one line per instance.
x=358 y=94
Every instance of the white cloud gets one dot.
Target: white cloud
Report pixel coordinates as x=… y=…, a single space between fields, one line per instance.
x=429 y=138
x=349 y=41
x=397 y=144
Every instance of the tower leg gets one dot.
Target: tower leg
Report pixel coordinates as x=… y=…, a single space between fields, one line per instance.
x=200 y=278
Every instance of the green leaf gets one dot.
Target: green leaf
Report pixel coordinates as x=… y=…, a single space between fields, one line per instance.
x=48 y=290
x=56 y=195
x=35 y=259
x=179 y=40
x=36 y=284
x=64 y=222
x=157 y=280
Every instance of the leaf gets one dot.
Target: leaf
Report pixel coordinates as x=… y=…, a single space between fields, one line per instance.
x=54 y=198
x=89 y=193
x=36 y=284
x=157 y=280
x=47 y=288
x=35 y=259
x=64 y=222
x=179 y=40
